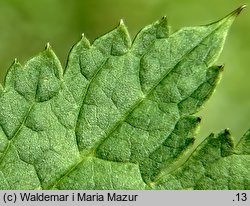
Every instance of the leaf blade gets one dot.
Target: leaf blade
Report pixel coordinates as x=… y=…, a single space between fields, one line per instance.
x=119 y=106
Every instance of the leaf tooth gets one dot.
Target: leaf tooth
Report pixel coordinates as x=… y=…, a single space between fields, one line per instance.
x=227 y=131
x=117 y=42
x=15 y=61
x=149 y=35
x=227 y=143
x=50 y=54
x=121 y=41
x=46 y=72
x=10 y=76
x=85 y=42
x=221 y=67
x=48 y=46
x=163 y=30
x=121 y=22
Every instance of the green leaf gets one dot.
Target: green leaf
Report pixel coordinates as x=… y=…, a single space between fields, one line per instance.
x=215 y=165
x=121 y=115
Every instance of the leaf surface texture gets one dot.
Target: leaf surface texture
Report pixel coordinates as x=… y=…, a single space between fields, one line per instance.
x=121 y=116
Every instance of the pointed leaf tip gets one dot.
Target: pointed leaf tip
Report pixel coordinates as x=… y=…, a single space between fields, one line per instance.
x=238 y=10
x=229 y=19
